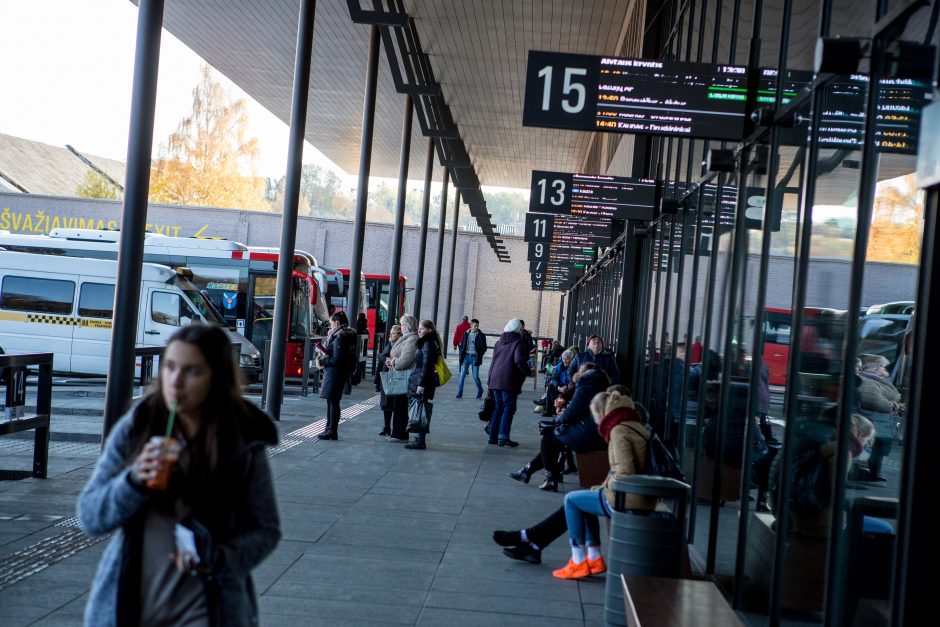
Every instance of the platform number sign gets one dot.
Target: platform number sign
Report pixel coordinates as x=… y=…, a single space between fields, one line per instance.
x=551 y=192
x=560 y=90
x=538 y=227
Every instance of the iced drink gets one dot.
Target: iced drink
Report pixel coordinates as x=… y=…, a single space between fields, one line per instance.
x=166 y=461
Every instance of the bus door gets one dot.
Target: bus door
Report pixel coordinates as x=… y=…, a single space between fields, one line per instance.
x=261 y=294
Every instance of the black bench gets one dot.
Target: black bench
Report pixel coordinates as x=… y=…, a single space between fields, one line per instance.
x=15 y=369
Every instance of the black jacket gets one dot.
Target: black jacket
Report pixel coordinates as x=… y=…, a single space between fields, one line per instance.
x=337 y=363
x=591 y=383
x=605 y=360
x=423 y=375
x=479 y=345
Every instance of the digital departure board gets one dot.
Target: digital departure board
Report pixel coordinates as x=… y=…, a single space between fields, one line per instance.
x=547 y=228
x=643 y=96
x=842 y=123
x=561 y=253
x=593 y=195
x=557 y=267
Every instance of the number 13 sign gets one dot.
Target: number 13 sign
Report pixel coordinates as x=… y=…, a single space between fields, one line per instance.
x=561 y=90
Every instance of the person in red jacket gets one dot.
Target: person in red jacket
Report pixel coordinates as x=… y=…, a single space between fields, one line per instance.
x=462 y=328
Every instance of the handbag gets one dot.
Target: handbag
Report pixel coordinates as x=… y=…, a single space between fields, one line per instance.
x=487 y=406
x=580 y=436
x=442 y=371
x=395 y=382
x=419 y=415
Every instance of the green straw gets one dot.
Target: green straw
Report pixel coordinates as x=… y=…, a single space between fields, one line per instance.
x=169 y=422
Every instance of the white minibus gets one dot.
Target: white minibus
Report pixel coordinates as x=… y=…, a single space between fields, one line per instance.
x=64 y=305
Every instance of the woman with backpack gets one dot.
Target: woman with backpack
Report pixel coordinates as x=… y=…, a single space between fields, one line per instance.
x=336 y=363
x=622 y=428
x=423 y=380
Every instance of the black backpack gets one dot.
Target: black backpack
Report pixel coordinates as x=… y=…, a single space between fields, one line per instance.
x=661 y=458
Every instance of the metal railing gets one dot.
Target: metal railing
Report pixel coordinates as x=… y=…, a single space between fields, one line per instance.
x=15 y=369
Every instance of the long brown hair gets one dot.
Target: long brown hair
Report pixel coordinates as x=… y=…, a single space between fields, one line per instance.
x=432 y=331
x=220 y=439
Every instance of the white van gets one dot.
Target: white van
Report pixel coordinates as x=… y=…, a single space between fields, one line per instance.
x=64 y=305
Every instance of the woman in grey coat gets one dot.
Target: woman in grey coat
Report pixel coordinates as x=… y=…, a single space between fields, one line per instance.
x=182 y=553
x=880 y=402
x=402 y=357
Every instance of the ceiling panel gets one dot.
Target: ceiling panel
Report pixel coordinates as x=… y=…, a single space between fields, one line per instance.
x=478 y=53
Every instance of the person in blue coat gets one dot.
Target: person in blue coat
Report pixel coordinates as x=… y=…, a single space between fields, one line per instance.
x=595 y=353
x=220 y=494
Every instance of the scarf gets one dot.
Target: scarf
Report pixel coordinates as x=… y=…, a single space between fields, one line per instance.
x=613 y=418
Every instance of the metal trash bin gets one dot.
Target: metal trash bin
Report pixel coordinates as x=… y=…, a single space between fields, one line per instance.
x=642 y=545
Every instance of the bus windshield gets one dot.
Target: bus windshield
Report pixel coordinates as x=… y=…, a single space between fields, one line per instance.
x=203 y=306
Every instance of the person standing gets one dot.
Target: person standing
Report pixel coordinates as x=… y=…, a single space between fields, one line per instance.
x=337 y=364
x=595 y=353
x=423 y=380
x=219 y=492
x=402 y=357
x=459 y=332
x=508 y=371
x=387 y=403
x=472 y=349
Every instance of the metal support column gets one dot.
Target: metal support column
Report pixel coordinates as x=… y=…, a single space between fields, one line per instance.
x=365 y=165
x=450 y=283
x=395 y=270
x=423 y=238
x=440 y=248
x=120 y=386
x=274 y=381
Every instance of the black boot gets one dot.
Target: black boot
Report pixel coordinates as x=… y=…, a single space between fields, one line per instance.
x=550 y=484
x=523 y=474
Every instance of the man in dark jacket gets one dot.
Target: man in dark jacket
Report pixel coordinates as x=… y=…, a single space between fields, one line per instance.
x=472 y=349
x=508 y=371
x=596 y=354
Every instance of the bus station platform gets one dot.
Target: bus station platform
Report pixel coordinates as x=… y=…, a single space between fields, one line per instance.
x=372 y=533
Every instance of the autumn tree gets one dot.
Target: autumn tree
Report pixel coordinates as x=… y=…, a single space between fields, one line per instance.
x=209 y=160
x=96 y=185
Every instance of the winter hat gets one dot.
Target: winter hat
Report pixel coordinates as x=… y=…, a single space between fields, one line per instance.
x=513 y=326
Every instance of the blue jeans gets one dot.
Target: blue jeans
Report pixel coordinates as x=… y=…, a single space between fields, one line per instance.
x=582 y=507
x=469 y=363
x=505 y=409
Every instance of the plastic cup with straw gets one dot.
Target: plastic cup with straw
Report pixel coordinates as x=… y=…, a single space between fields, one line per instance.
x=169 y=454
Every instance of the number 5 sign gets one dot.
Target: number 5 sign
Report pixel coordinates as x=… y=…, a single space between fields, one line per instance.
x=561 y=90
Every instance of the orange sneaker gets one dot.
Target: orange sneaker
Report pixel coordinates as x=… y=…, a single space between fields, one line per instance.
x=573 y=571
x=597 y=566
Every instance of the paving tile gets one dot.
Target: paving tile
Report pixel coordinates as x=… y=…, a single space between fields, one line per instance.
x=541 y=605
x=324 y=611
x=434 y=617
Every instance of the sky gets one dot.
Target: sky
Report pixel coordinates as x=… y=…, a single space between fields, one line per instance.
x=67 y=74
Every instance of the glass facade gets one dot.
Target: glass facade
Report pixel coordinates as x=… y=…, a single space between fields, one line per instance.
x=766 y=317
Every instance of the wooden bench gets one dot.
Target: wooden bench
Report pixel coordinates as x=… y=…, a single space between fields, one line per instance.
x=593 y=468
x=15 y=370
x=661 y=602
x=804 y=570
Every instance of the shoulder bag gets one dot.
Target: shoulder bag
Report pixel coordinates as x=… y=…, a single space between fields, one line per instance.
x=395 y=382
x=442 y=371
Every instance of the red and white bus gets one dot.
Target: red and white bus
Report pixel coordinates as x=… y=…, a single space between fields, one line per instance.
x=374 y=294
x=814 y=342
